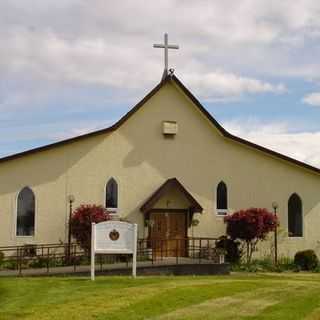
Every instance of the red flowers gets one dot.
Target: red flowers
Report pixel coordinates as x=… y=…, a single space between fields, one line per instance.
x=82 y=219
x=250 y=225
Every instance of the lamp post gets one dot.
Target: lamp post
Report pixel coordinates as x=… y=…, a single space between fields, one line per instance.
x=275 y=207
x=71 y=199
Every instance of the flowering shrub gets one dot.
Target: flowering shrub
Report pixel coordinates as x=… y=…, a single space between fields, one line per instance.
x=250 y=226
x=81 y=221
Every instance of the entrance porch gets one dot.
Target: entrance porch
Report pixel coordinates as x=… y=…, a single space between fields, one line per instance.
x=168 y=215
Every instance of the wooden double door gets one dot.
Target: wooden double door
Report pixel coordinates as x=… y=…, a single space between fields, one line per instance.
x=168 y=233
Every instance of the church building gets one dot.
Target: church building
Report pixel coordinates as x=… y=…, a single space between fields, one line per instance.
x=166 y=163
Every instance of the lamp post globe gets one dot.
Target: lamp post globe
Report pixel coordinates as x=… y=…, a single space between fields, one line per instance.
x=71 y=198
x=275 y=205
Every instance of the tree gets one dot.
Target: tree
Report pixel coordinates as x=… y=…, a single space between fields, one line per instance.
x=250 y=226
x=81 y=221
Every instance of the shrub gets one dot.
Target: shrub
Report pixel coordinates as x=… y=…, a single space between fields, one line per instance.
x=317 y=269
x=81 y=221
x=250 y=226
x=1 y=257
x=306 y=260
x=212 y=253
x=266 y=265
x=10 y=264
x=233 y=252
x=286 y=264
x=39 y=262
x=29 y=250
x=257 y=265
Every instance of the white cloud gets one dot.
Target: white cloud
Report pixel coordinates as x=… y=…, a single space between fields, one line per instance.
x=71 y=54
x=99 y=43
x=94 y=62
x=313 y=99
x=303 y=146
x=217 y=85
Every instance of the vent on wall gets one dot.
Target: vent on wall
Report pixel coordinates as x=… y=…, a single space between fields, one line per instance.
x=170 y=128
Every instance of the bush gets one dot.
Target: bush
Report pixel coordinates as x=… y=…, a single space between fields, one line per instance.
x=317 y=269
x=266 y=265
x=29 y=250
x=233 y=253
x=10 y=264
x=250 y=226
x=306 y=260
x=81 y=222
x=1 y=257
x=287 y=264
x=39 y=262
x=212 y=253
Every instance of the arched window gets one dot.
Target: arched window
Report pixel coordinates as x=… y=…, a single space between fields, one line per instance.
x=112 y=194
x=25 y=212
x=222 y=199
x=295 y=216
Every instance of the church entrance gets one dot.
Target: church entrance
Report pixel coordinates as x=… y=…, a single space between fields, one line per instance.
x=168 y=214
x=168 y=232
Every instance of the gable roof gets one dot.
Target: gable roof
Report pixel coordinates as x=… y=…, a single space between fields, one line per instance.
x=170 y=77
x=173 y=182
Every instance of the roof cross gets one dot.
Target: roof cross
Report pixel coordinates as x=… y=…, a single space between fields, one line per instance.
x=166 y=46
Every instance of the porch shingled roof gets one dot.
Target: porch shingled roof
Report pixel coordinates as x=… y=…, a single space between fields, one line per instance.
x=173 y=182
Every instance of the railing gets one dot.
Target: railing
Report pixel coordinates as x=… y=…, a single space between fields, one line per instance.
x=192 y=248
x=40 y=256
x=72 y=258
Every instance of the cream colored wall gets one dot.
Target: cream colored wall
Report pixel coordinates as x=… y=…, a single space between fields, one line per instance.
x=172 y=199
x=141 y=159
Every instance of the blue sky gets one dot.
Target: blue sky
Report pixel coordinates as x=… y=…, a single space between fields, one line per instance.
x=69 y=67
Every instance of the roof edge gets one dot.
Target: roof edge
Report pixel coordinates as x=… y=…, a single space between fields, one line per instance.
x=113 y=127
x=232 y=137
x=165 y=80
x=157 y=194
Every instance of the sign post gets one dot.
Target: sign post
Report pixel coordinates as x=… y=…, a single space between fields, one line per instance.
x=114 y=237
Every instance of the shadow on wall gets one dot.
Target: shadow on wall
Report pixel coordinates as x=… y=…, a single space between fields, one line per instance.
x=200 y=157
x=46 y=166
x=170 y=157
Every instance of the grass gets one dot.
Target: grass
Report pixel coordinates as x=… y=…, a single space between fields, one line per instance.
x=239 y=296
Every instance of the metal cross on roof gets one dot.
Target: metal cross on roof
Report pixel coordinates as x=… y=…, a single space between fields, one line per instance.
x=166 y=46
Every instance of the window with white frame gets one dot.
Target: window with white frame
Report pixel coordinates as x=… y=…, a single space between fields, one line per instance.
x=222 y=199
x=112 y=195
x=25 y=212
x=295 y=216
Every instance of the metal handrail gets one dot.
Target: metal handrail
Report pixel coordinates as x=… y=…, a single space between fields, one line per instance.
x=194 y=248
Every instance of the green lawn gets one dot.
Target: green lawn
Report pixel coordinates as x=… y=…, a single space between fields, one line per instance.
x=285 y=296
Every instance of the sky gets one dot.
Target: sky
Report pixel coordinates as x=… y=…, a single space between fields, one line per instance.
x=69 y=67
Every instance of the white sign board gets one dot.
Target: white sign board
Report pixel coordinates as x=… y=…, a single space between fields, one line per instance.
x=114 y=237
